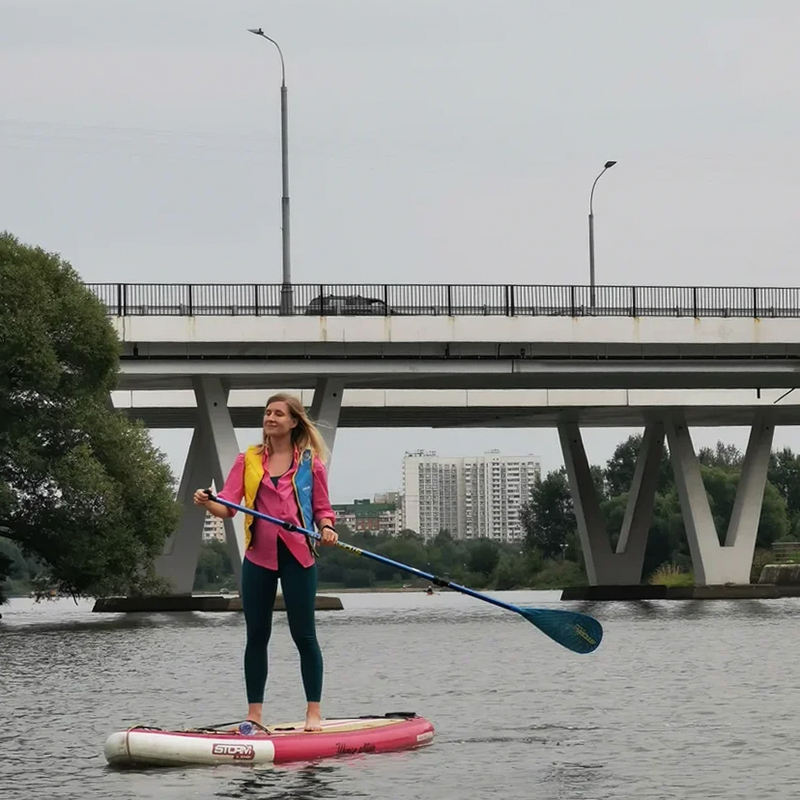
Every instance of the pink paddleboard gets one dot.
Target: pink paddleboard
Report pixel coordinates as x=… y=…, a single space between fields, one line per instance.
x=142 y=746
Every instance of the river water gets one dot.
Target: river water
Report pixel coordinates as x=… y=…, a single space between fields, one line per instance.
x=682 y=700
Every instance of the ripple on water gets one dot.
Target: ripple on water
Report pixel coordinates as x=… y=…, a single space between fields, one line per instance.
x=676 y=691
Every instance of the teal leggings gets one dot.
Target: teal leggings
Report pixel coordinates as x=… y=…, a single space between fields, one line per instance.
x=259 y=586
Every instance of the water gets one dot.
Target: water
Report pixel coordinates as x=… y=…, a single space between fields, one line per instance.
x=682 y=700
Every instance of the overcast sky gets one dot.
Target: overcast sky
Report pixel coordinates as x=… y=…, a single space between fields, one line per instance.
x=430 y=140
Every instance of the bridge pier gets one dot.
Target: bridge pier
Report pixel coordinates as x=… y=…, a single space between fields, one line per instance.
x=178 y=561
x=623 y=566
x=715 y=564
x=326 y=408
x=211 y=454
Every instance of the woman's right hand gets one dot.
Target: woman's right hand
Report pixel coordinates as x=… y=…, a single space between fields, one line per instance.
x=201 y=497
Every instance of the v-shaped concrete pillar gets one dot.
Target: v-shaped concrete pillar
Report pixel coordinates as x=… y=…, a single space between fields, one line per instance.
x=325 y=409
x=211 y=455
x=716 y=564
x=178 y=562
x=223 y=448
x=603 y=566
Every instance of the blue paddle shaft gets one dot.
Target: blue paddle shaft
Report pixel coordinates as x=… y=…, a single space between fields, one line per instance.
x=566 y=627
x=358 y=551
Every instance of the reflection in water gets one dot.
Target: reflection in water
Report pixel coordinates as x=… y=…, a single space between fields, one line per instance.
x=575 y=781
x=306 y=782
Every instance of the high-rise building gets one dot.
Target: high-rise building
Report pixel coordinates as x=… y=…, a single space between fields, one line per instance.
x=472 y=497
x=213 y=528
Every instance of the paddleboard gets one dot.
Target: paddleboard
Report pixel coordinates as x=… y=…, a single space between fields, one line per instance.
x=143 y=746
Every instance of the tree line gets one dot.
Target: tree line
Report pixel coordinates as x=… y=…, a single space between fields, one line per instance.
x=550 y=554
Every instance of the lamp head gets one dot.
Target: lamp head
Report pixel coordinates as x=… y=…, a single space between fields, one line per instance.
x=256 y=31
x=609 y=164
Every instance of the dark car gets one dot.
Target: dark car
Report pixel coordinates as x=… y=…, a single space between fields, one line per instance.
x=337 y=305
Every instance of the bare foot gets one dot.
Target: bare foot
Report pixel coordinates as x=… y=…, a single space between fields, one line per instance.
x=313 y=719
x=255 y=712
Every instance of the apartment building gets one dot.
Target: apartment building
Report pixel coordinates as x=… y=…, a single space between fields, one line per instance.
x=472 y=497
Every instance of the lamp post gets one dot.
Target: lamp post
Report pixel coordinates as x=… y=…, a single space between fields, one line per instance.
x=286 y=301
x=606 y=166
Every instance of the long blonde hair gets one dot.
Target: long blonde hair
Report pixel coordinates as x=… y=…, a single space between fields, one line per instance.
x=305 y=435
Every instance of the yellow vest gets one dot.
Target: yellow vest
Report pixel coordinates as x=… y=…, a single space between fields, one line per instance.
x=254 y=474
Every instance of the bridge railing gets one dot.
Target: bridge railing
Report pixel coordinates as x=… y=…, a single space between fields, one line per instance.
x=251 y=299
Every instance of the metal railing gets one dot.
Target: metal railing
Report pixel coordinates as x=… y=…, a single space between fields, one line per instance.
x=507 y=300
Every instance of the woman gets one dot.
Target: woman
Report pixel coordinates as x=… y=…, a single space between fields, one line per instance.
x=283 y=477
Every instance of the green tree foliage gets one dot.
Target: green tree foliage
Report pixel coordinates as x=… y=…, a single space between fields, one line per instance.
x=483 y=557
x=784 y=475
x=214 y=570
x=549 y=516
x=81 y=488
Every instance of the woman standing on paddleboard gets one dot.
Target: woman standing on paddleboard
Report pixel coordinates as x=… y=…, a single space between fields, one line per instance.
x=283 y=477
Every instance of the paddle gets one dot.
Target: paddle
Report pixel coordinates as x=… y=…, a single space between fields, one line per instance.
x=578 y=632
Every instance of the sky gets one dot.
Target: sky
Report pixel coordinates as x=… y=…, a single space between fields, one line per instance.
x=430 y=141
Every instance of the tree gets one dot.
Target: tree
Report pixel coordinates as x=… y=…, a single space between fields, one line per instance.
x=81 y=487
x=483 y=557
x=723 y=456
x=621 y=466
x=784 y=475
x=213 y=567
x=549 y=516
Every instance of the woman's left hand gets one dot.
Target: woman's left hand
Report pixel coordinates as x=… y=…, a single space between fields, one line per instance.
x=329 y=536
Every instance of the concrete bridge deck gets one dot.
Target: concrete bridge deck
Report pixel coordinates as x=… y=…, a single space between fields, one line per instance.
x=454 y=408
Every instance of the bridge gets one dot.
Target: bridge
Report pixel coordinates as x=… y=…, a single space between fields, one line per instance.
x=663 y=358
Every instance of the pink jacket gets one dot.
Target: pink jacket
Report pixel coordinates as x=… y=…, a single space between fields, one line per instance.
x=280 y=502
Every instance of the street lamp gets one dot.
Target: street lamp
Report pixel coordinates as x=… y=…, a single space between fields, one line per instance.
x=286 y=286
x=606 y=166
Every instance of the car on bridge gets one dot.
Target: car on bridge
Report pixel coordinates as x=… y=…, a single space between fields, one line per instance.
x=346 y=305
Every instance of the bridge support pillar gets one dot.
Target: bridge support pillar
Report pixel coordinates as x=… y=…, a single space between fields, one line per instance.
x=713 y=563
x=325 y=409
x=624 y=565
x=178 y=562
x=211 y=455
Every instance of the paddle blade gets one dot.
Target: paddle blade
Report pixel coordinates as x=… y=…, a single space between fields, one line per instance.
x=577 y=632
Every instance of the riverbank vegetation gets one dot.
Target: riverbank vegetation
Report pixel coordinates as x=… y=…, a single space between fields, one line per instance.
x=549 y=556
